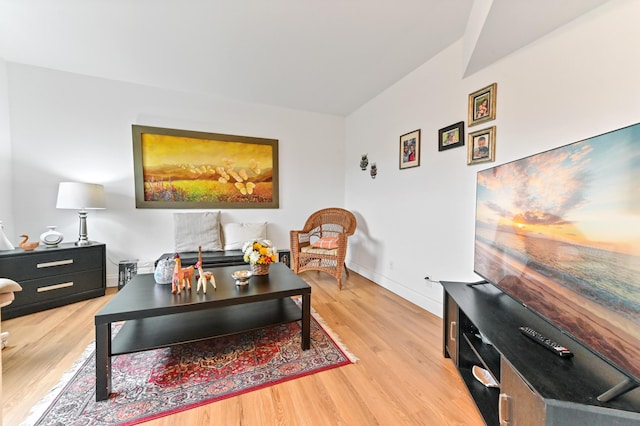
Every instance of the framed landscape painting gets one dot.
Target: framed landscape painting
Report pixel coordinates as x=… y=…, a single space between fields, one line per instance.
x=182 y=169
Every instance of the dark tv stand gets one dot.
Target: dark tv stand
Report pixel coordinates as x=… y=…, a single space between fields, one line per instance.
x=536 y=386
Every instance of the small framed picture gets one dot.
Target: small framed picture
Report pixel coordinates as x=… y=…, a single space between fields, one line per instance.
x=482 y=105
x=410 y=149
x=482 y=146
x=284 y=256
x=451 y=136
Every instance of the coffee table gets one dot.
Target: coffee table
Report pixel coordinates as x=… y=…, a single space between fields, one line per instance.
x=156 y=318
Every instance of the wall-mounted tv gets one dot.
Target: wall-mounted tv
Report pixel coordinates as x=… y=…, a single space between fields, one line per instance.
x=559 y=231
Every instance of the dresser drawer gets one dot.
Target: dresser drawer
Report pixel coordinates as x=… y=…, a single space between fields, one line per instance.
x=50 y=262
x=34 y=291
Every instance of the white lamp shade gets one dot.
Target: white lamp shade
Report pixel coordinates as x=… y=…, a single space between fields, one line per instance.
x=80 y=196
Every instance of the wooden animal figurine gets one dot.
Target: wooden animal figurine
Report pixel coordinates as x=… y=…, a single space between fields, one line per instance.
x=182 y=277
x=24 y=245
x=208 y=276
x=203 y=276
x=187 y=277
x=202 y=281
x=178 y=278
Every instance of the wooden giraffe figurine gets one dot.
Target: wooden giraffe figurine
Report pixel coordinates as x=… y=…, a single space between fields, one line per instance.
x=178 y=279
x=187 y=277
x=202 y=281
x=203 y=276
x=208 y=275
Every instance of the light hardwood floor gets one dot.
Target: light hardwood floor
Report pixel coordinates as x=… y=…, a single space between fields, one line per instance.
x=401 y=377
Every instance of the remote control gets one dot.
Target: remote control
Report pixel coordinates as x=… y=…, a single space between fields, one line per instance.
x=557 y=349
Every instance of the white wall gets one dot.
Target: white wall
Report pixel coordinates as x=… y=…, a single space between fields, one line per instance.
x=580 y=81
x=71 y=127
x=6 y=215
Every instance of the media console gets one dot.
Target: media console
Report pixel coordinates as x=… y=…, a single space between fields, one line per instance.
x=481 y=327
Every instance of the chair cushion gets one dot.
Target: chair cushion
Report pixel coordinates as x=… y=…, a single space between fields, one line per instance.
x=236 y=234
x=7 y=287
x=314 y=250
x=327 y=242
x=197 y=229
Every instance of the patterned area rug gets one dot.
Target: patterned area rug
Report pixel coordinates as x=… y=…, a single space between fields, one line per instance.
x=160 y=382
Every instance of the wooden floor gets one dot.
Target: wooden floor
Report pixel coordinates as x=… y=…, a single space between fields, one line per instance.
x=401 y=377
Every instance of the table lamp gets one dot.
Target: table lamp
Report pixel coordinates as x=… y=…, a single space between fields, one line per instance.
x=82 y=197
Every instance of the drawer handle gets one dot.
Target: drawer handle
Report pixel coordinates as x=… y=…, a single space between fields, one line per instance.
x=56 y=263
x=55 y=287
x=452 y=330
x=503 y=410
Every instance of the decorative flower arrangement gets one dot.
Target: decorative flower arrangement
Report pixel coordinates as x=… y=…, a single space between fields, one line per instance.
x=259 y=252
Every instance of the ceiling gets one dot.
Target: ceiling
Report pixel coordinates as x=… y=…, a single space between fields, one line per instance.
x=328 y=56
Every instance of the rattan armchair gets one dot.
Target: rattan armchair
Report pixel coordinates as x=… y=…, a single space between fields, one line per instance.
x=332 y=222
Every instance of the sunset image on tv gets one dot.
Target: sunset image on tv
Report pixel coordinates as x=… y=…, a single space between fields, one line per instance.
x=560 y=232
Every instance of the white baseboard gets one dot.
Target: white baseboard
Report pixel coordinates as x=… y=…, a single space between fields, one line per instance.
x=430 y=300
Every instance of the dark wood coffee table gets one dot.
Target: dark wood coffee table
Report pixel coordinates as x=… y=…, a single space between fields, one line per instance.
x=155 y=318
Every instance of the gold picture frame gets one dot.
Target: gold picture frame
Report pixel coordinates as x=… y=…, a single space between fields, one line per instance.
x=482 y=105
x=482 y=146
x=182 y=169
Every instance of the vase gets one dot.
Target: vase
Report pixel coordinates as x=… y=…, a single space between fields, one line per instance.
x=164 y=271
x=5 y=244
x=260 y=269
x=51 y=238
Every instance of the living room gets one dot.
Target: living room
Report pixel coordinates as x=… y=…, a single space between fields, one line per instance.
x=577 y=81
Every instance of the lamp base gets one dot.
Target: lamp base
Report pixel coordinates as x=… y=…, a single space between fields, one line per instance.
x=82 y=237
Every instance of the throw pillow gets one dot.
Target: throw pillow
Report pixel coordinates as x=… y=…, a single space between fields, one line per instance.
x=236 y=234
x=197 y=229
x=327 y=242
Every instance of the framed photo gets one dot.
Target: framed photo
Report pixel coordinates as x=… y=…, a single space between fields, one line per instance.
x=182 y=169
x=410 y=149
x=482 y=105
x=482 y=146
x=284 y=256
x=451 y=136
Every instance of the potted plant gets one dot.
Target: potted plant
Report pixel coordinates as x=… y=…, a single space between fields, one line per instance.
x=259 y=254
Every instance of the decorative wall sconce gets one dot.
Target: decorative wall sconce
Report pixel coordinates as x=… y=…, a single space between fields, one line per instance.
x=364 y=162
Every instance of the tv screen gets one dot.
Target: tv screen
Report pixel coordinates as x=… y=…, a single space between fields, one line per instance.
x=559 y=231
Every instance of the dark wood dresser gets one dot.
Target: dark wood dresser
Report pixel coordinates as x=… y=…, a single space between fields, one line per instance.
x=52 y=277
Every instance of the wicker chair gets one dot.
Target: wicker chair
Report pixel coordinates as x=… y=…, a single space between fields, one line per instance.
x=328 y=224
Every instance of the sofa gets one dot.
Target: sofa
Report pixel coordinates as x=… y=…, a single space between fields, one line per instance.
x=210 y=259
x=221 y=243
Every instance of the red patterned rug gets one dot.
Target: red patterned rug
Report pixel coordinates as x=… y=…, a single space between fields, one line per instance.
x=160 y=382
